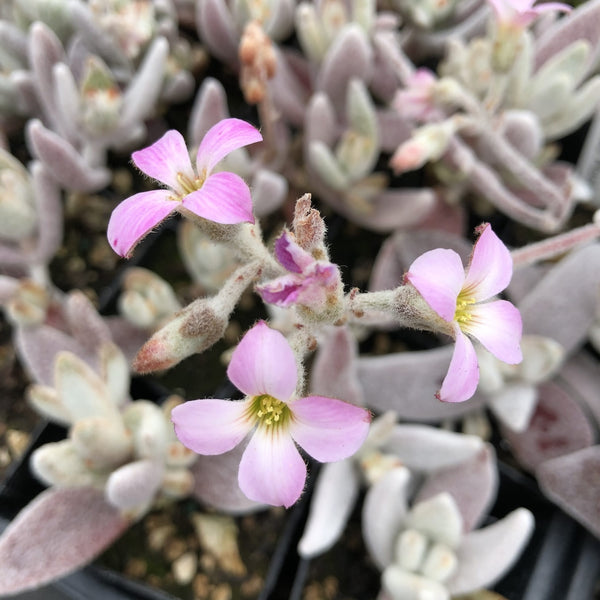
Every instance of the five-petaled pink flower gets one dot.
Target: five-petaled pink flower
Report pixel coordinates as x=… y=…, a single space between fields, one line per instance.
x=221 y=197
x=271 y=469
x=311 y=283
x=459 y=299
x=521 y=13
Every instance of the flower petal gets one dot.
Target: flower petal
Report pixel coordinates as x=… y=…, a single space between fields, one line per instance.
x=221 y=139
x=438 y=275
x=282 y=291
x=211 y=426
x=290 y=255
x=328 y=429
x=164 y=159
x=223 y=198
x=498 y=326
x=490 y=268
x=461 y=380
x=263 y=363
x=135 y=217
x=272 y=470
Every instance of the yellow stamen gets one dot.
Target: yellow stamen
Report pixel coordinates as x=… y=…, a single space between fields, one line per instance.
x=269 y=412
x=463 y=315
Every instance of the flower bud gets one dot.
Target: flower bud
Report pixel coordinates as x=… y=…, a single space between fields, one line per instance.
x=428 y=143
x=196 y=328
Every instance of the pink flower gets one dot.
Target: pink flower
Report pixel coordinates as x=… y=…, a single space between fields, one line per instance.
x=312 y=283
x=415 y=101
x=220 y=197
x=522 y=12
x=271 y=470
x=459 y=299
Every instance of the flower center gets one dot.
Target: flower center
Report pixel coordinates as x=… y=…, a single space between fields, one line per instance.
x=187 y=185
x=269 y=412
x=463 y=314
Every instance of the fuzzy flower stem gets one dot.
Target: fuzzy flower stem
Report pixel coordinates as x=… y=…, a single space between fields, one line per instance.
x=404 y=304
x=557 y=245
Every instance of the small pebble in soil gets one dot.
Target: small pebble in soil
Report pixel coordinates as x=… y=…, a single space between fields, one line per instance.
x=136 y=567
x=184 y=568
x=17 y=442
x=158 y=536
x=174 y=548
x=221 y=592
x=252 y=587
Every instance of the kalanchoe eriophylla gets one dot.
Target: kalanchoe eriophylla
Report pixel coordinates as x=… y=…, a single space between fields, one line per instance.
x=271 y=470
x=458 y=297
x=311 y=283
x=520 y=13
x=221 y=197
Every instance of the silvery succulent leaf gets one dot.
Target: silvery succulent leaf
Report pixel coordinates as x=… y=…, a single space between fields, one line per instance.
x=400 y=584
x=332 y=501
x=81 y=390
x=581 y=375
x=216 y=28
x=427 y=449
x=148 y=426
x=384 y=511
x=63 y=160
x=582 y=24
x=84 y=322
x=102 y=443
x=558 y=426
x=569 y=481
x=37 y=348
x=132 y=487
x=572 y=280
x=472 y=483
x=418 y=375
x=58 y=532
x=59 y=464
x=349 y=57
x=438 y=518
x=477 y=566
x=216 y=483
x=45 y=401
x=334 y=370
x=114 y=370
x=210 y=106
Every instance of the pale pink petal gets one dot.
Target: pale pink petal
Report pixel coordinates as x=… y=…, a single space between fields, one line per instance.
x=498 y=326
x=137 y=216
x=290 y=255
x=263 y=363
x=328 y=429
x=528 y=16
x=282 y=291
x=221 y=139
x=502 y=9
x=211 y=426
x=167 y=157
x=490 y=268
x=223 y=198
x=462 y=378
x=272 y=470
x=438 y=275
